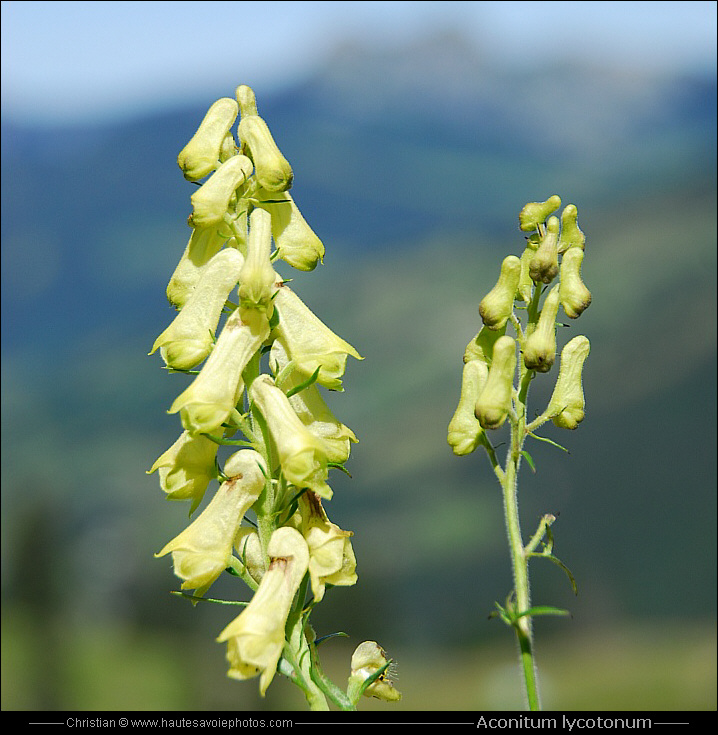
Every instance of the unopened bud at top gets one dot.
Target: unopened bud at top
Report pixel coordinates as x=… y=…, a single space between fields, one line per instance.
x=246 y=100
x=494 y=402
x=543 y=267
x=201 y=155
x=534 y=213
x=497 y=306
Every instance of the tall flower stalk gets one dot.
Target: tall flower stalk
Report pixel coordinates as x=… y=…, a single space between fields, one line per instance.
x=256 y=387
x=495 y=389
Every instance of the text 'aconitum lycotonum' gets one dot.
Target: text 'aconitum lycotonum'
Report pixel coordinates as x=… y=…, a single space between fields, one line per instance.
x=257 y=359
x=498 y=370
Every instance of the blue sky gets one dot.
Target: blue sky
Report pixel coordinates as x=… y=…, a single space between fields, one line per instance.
x=88 y=61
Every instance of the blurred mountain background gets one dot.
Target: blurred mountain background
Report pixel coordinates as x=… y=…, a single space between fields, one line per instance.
x=411 y=163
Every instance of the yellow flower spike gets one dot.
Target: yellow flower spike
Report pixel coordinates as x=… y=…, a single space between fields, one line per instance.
x=273 y=170
x=257 y=278
x=203 y=550
x=498 y=304
x=211 y=201
x=201 y=155
x=202 y=246
x=367 y=659
x=186 y=468
x=213 y=395
x=313 y=412
x=295 y=240
x=246 y=100
x=571 y=235
x=540 y=345
x=249 y=550
x=331 y=557
x=309 y=343
x=534 y=213
x=302 y=455
x=464 y=428
x=543 y=267
x=573 y=294
x=494 y=402
x=189 y=338
x=255 y=639
x=567 y=405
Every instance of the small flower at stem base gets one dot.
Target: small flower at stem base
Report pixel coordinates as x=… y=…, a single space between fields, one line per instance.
x=255 y=638
x=367 y=659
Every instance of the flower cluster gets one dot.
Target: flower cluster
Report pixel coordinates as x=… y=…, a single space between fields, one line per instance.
x=243 y=220
x=553 y=248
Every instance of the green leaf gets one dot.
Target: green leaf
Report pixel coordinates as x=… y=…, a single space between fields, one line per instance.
x=529 y=459
x=543 y=610
x=338 y=634
x=309 y=381
x=194 y=599
x=339 y=466
x=549 y=441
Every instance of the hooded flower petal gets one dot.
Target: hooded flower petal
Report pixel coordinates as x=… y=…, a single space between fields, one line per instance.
x=189 y=338
x=303 y=455
x=249 y=551
x=309 y=343
x=540 y=345
x=214 y=393
x=494 y=402
x=211 y=201
x=187 y=467
x=295 y=240
x=201 y=154
x=273 y=170
x=255 y=638
x=464 y=428
x=202 y=246
x=314 y=413
x=331 y=557
x=498 y=304
x=203 y=550
x=567 y=405
x=257 y=279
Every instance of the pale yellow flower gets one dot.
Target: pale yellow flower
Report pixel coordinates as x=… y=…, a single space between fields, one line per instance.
x=255 y=639
x=367 y=659
x=204 y=549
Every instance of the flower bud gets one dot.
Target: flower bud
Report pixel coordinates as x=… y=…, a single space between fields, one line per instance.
x=214 y=393
x=571 y=235
x=481 y=346
x=575 y=297
x=313 y=412
x=567 y=404
x=186 y=468
x=309 y=343
x=543 y=267
x=201 y=154
x=540 y=345
x=367 y=659
x=189 y=338
x=331 y=557
x=257 y=279
x=494 y=402
x=302 y=455
x=246 y=100
x=464 y=429
x=255 y=638
x=202 y=246
x=249 y=551
x=203 y=550
x=295 y=240
x=534 y=213
x=211 y=201
x=498 y=304
x=524 y=291
x=273 y=170
x=228 y=149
